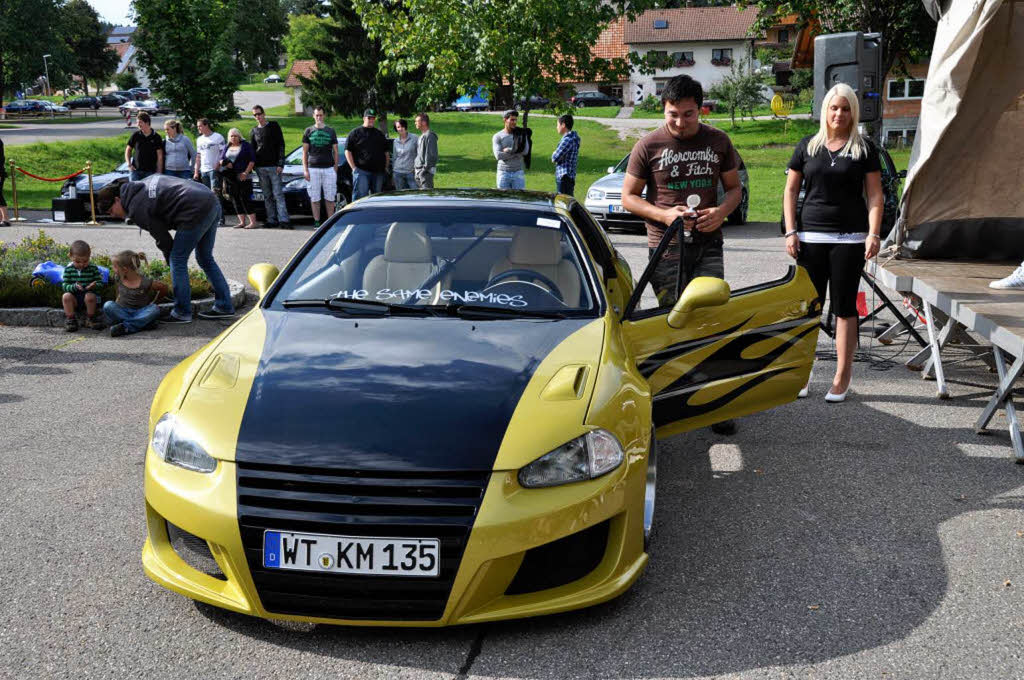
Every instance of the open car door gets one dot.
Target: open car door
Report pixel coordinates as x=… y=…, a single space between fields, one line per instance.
x=729 y=354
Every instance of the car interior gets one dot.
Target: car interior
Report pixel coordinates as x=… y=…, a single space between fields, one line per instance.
x=537 y=263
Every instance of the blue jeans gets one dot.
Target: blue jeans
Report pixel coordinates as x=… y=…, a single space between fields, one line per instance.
x=273 y=195
x=183 y=174
x=404 y=180
x=133 y=320
x=199 y=239
x=211 y=179
x=365 y=183
x=512 y=180
x=136 y=175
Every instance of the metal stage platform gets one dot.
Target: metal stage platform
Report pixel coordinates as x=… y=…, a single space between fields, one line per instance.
x=956 y=298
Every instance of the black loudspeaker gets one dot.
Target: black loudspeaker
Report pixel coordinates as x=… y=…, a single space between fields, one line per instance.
x=68 y=210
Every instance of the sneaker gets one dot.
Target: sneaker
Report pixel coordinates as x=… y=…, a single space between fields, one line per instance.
x=287 y=225
x=1014 y=281
x=724 y=427
x=270 y=225
x=316 y=224
x=216 y=314
x=95 y=322
x=170 y=318
x=117 y=330
x=71 y=325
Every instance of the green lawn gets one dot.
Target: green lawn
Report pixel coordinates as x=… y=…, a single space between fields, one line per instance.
x=261 y=87
x=464 y=142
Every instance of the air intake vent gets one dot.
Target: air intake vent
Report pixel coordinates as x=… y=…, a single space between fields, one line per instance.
x=356 y=503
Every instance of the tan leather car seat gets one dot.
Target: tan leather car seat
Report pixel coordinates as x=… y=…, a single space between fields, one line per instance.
x=407 y=262
x=540 y=250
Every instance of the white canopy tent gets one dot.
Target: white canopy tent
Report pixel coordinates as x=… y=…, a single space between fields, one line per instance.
x=964 y=194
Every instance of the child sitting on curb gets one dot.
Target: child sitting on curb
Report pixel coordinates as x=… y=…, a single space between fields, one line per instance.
x=81 y=280
x=137 y=295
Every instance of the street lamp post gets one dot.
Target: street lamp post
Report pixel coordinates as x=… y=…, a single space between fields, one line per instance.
x=46 y=68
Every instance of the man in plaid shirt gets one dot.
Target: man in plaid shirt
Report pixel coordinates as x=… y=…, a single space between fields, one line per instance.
x=566 y=156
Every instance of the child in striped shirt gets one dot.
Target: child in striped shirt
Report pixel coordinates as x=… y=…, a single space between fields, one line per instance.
x=81 y=281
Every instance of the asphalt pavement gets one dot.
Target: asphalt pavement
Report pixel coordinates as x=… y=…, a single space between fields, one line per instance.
x=878 y=538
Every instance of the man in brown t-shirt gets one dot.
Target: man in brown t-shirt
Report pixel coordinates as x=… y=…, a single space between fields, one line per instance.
x=683 y=158
x=680 y=159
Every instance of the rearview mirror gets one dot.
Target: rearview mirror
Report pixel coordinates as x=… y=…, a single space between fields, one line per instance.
x=703 y=291
x=261 y=276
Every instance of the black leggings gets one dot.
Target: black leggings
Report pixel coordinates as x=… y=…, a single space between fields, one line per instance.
x=237 y=190
x=2 y=201
x=837 y=268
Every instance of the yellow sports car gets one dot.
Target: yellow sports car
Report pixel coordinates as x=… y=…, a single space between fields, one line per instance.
x=444 y=411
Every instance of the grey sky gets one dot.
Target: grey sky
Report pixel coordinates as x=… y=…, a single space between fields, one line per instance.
x=114 y=11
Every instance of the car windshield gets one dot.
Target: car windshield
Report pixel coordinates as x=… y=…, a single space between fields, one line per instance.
x=489 y=262
x=621 y=167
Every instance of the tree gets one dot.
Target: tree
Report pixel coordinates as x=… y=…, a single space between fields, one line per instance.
x=126 y=80
x=314 y=7
x=532 y=46
x=907 y=31
x=349 y=76
x=186 y=49
x=260 y=24
x=306 y=33
x=28 y=30
x=740 y=91
x=86 y=40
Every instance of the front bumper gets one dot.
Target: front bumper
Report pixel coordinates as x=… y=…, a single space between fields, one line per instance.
x=510 y=526
x=609 y=213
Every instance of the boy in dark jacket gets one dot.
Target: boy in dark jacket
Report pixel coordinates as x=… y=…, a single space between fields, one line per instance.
x=160 y=204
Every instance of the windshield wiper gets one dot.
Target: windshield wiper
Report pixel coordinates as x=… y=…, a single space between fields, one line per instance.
x=361 y=307
x=485 y=312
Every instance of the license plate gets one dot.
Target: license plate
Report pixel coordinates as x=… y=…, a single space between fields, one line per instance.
x=351 y=554
x=613 y=208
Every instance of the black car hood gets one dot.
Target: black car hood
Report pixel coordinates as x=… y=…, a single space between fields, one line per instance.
x=399 y=394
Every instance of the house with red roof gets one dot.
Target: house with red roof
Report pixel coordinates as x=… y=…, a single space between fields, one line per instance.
x=307 y=69
x=701 y=42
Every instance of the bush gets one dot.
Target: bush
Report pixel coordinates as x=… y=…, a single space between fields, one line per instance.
x=651 y=104
x=126 y=81
x=18 y=261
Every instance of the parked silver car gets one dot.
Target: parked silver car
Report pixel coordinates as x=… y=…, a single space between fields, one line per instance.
x=604 y=199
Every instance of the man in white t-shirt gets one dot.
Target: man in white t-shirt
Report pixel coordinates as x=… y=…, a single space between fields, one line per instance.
x=209 y=145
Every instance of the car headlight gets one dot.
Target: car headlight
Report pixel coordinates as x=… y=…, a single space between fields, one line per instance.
x=299 y=183
x=174 y=442
x=595 y=195
x=586 y=457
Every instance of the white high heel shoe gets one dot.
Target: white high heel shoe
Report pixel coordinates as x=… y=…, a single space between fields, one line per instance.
x=806 y=388
x=836 y=398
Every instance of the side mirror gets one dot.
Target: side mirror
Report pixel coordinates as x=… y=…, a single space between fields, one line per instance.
x=261 y=276
x=610 y=170
x=703 y=291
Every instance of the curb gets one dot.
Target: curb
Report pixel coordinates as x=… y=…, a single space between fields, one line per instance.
x=47 y=316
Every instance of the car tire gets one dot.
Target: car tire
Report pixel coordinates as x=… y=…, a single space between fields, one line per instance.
x=739 y=215
x=650 y=490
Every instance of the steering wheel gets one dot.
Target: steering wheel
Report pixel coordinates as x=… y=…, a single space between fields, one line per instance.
x=529 y=275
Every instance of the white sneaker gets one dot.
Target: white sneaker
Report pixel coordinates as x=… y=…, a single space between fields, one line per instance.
x=1013 y=281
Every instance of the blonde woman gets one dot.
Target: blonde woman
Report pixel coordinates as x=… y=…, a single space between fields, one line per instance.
x=236 y=162
x=836 y=230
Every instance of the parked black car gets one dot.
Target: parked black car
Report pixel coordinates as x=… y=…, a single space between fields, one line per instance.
x=593 y=98
x=533 y=102
x=891 y=180
x=82 y=103
x=112 y=99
